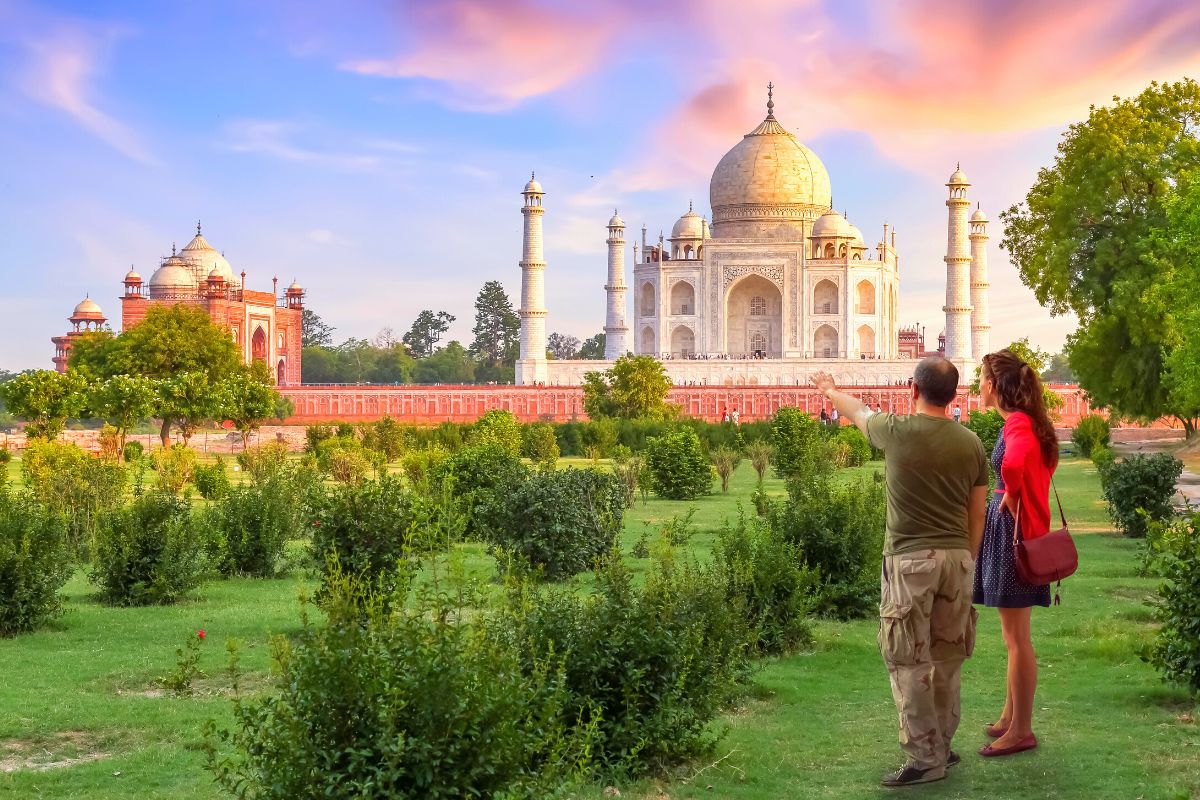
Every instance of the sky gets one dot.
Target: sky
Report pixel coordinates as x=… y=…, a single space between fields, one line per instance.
x=376 y=151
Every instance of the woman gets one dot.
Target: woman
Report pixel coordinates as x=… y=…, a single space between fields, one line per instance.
x=1024 y=459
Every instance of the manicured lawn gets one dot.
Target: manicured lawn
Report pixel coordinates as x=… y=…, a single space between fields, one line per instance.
x=815 y=725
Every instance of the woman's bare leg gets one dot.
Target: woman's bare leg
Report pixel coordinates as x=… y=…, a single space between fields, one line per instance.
x=1022 y=675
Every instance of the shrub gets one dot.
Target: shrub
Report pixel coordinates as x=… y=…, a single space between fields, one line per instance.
x=419 y=466
x=147 y=552
x=987 y=426
x=250 y=526
x=314 y=435
x=800 y=450
x=649 y=667
x=344 y=430
x=133 y=452
x=760 y=457
x=1174 y=551
x=348 y=465
x=857 y=450
x=600 y=436
x=263 y=462
x=560 y=521
x=839 y=531
x=337 y=444
x=34 y=563
x=1103 y=459
x=412 y=706
x=70 y=483
x=365 y=528
x=176 y=466
x=676 y=467
x=540 y=446
x=212 y=481
x=1091 y=431
x=725 y=462
x=1139 y=489
x=627 y=468
x=385 y=436
x=766 y=574
x=497 y=427
x=109 y=440
x=479 y=473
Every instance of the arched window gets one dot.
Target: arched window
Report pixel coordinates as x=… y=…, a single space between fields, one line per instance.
x=687 y=251
x=825 y=342
x=280 y=373
x=683 y=342
x=865 y=292
x=825 y=298
x=866 y=340
x=649 y=307
x=758 y=306
x=842 y=250
x=258 y=345
x=683 y=298
x=829 y=252
x=758 y=344
x=648 y=341
x=280 y=345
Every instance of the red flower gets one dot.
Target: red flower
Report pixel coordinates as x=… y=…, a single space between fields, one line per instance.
x=200 y=633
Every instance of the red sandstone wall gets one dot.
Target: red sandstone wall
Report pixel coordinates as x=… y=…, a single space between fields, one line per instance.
x=434 y=404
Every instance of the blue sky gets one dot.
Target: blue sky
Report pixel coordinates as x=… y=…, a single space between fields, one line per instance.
x=376 y=151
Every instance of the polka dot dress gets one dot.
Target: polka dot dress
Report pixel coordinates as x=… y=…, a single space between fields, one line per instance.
x=996 y=581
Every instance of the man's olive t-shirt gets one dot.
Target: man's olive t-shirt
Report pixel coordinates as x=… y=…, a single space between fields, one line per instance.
x=932 y=463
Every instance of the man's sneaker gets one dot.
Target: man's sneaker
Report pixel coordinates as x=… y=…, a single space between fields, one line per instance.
x=911 y=775
x=952 y=759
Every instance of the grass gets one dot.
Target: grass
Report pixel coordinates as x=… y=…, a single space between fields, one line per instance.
x=815 y=725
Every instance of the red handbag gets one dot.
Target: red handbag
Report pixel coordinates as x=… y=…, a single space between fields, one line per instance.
x=1048 y=558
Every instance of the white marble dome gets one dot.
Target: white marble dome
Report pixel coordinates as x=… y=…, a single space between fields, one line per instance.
x=174 y=275
x=616 y=221
x=958 y=178
x=830 y=224
x=87 y=308
x=203 y=259
x=979 y=216
x=689 y=226
x=533 y=187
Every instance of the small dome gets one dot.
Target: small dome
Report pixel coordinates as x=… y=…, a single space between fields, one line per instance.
x=132 y=277
x=853 y=232
x=202 y=258
x=174 y=275
x=216 y=274
x=958 y=178
x=690 y=226
x=979 y=216
x=533 y=187
x=616 y=221
x=832 y=224
x=87 y=308
x=295 y=287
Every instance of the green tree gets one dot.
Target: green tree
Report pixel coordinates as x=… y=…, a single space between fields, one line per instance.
x=562 y=347
x=123 y=401
x=313 y=330
x=593 y=348
x=1037 y=359
x=1058 y=370
x=497 y=329
x=248 y=399
x=1180 y=295
x=800 y=451
x=497 y=427
x=45 y=399
x=635 y=387
x=393 y=365
x=186 y=401
x=676 y=468
x=451 y=364
x=1090 y=238
x=426 y=331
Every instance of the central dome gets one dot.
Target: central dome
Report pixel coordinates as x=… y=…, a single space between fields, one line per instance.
x=768 y=185
x=203 y=259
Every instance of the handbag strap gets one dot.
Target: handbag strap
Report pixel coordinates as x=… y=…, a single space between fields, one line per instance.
x=1017 y=522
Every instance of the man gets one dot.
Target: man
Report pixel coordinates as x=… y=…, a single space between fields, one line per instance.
x=936 y=476
x=957 y=414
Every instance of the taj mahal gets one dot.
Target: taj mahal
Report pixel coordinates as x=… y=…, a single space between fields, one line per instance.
x=778 y=286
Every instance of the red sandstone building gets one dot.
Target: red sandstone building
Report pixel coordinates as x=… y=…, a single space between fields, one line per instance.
x=265 y=326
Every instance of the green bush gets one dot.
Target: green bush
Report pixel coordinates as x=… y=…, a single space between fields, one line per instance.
x=676 y=466
x=212 y=481
x=540 y=446
x=34 y=563
x=725 y=462
x=314 y=435
x=765 y=574
x=420 y=466
x=497 y=427
x=349 y=465
x=69 y=482
x=478 y=473
x=560 y=521
x=857 y=450
x=336 y=444
x=1091 y=431
x=176 y=466
x=987 y=426
x=366 y=528
x=1103 y=459
x=133 y=452
x=800 y=450
x=839 y=530
x=386 y=436
x=5 y=454
x=250 y=526
x=263 y=462
x=1139 y=489
x=650 y=666
x=414 y=705
x=148 y=553
x=1174 y=552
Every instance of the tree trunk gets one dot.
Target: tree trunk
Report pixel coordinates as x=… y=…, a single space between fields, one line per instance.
x=165 y=433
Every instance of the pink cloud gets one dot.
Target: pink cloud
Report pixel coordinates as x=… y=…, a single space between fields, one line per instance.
x=495 y=55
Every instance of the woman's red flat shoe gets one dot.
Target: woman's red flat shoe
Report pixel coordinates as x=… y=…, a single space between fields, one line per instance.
x=996 y=731
x=990 y=751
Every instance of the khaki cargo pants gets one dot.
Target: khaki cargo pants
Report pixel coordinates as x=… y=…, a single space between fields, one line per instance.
x=926 y=630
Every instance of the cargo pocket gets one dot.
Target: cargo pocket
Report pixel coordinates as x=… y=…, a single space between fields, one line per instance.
x=969 y=634
x=896 y=643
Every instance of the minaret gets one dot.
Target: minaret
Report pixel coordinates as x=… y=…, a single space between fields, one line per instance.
x=958 y=277
x=616 y=333
x=531 y=367
x=981 y=328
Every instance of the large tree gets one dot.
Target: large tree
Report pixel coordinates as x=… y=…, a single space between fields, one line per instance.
x=451 y=364
x=562 y=346
x=497 y=327
x=248 y=399
x=187 y=401
x=1182 y=295
x=1091 y=238
x=313 y=330
x=593 y=348
x=123 y=401
x=45 y=399
x=1058 y=370
x=426 y=331
x=634 y=387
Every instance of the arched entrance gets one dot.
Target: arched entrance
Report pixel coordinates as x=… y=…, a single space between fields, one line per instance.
x=866 y=340
x=866 y=298
x=683 y=342
x=683 y=298
x=754 y=319
x=825 y=342
x=648 y=342
x=825 y=298
x=280 y=373
x=258 y=345
x=649 y=308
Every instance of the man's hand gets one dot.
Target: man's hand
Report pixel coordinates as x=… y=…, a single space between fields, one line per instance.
x=824 y=382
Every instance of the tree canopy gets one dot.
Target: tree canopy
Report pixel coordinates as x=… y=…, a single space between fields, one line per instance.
x=562 y=346
x=171 y=340
x=593 y=348
x=426 y=331
x=1092 y=238
x=45 y=399
x=497 y=333
x=634 y=387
